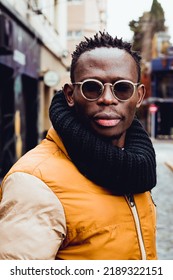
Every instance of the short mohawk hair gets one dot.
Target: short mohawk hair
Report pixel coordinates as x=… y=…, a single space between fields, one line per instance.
x=103 y=39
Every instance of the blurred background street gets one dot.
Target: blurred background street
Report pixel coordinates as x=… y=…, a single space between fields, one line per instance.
x=37 y=38
x=163 y=198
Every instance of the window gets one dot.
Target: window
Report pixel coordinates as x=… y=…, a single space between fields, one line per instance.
x=74 y=1
x=74 y=34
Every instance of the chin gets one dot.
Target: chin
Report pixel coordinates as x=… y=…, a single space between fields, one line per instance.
x=110 y=136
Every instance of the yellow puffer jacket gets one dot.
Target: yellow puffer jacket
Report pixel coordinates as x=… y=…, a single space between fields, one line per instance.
x=99 y=225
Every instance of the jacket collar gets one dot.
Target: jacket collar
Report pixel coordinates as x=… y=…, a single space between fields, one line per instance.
x=53 y=136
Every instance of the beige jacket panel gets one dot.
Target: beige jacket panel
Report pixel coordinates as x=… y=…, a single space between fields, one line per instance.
x=32 y=220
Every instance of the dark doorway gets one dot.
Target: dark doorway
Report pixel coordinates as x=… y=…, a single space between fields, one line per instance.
x=30 y=96
x=165 y=124
x=7 y=136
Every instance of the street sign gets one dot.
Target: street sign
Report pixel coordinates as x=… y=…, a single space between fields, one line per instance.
x=153 y=108
x=51 y=78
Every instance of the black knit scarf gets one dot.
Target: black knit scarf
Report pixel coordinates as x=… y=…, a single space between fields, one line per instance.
x=128 y=171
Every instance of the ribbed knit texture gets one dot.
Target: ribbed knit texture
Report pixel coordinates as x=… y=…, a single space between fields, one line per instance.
x=128 y=171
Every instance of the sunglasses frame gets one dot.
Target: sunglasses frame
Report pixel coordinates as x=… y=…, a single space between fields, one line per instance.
x=103 y=87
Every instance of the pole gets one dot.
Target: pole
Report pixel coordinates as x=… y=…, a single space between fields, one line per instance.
x=153 y=119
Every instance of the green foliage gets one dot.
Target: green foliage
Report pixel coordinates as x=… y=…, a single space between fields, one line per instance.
x=158 y=16
x=151 y=22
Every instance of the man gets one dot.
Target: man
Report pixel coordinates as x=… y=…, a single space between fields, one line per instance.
x=84 y=192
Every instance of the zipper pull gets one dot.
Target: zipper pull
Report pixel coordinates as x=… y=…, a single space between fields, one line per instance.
x=131 y=200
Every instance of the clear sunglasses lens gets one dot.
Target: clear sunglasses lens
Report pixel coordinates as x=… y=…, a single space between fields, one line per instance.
x=123 y=90
x=91 y=90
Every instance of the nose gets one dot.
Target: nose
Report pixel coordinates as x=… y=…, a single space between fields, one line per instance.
x=107 y=96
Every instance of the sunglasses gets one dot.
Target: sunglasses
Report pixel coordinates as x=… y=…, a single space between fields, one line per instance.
x=92 y=89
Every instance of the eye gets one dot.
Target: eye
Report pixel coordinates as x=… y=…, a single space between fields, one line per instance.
x=123 y=90
x=91 y=89
x=123 y=87
x=91 y=86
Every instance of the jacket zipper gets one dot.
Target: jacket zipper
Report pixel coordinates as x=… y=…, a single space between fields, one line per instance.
x=132 y=205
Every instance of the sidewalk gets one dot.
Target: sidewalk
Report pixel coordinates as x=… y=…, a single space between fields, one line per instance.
x=169 y=164
x=169 y=161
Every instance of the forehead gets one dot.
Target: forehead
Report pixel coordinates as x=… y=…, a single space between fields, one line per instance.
x=108 y=63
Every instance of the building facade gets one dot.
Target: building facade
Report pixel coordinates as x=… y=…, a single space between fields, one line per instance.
x=162 y=94
x=162 y=86
x=156 y=112
x=84 y=18
x=32 y=46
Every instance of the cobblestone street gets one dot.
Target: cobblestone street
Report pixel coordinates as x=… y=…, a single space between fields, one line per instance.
x=163 y=197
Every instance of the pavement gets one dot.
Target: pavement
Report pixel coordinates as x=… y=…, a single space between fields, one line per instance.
x=170 y=165
x=169 y=160
x=162 y=195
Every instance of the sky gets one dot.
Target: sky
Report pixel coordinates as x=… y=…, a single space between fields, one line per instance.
x=121 y=12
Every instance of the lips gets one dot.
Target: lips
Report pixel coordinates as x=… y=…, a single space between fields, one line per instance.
x=107 y=122
x=107 y=119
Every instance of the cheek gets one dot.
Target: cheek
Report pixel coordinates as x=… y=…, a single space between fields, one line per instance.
x=131 y=104
x=85 y=111
x=129 y=111
x=82 y=107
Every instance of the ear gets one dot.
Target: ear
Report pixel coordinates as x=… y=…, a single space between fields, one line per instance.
x=141 y=93
x=68 y=92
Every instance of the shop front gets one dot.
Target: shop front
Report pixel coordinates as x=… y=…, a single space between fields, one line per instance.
x=19 y=72
x=162 y=96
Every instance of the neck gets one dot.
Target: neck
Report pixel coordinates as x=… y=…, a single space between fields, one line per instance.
x=119 y=140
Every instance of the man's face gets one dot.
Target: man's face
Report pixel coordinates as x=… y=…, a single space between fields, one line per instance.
x=106 y=116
